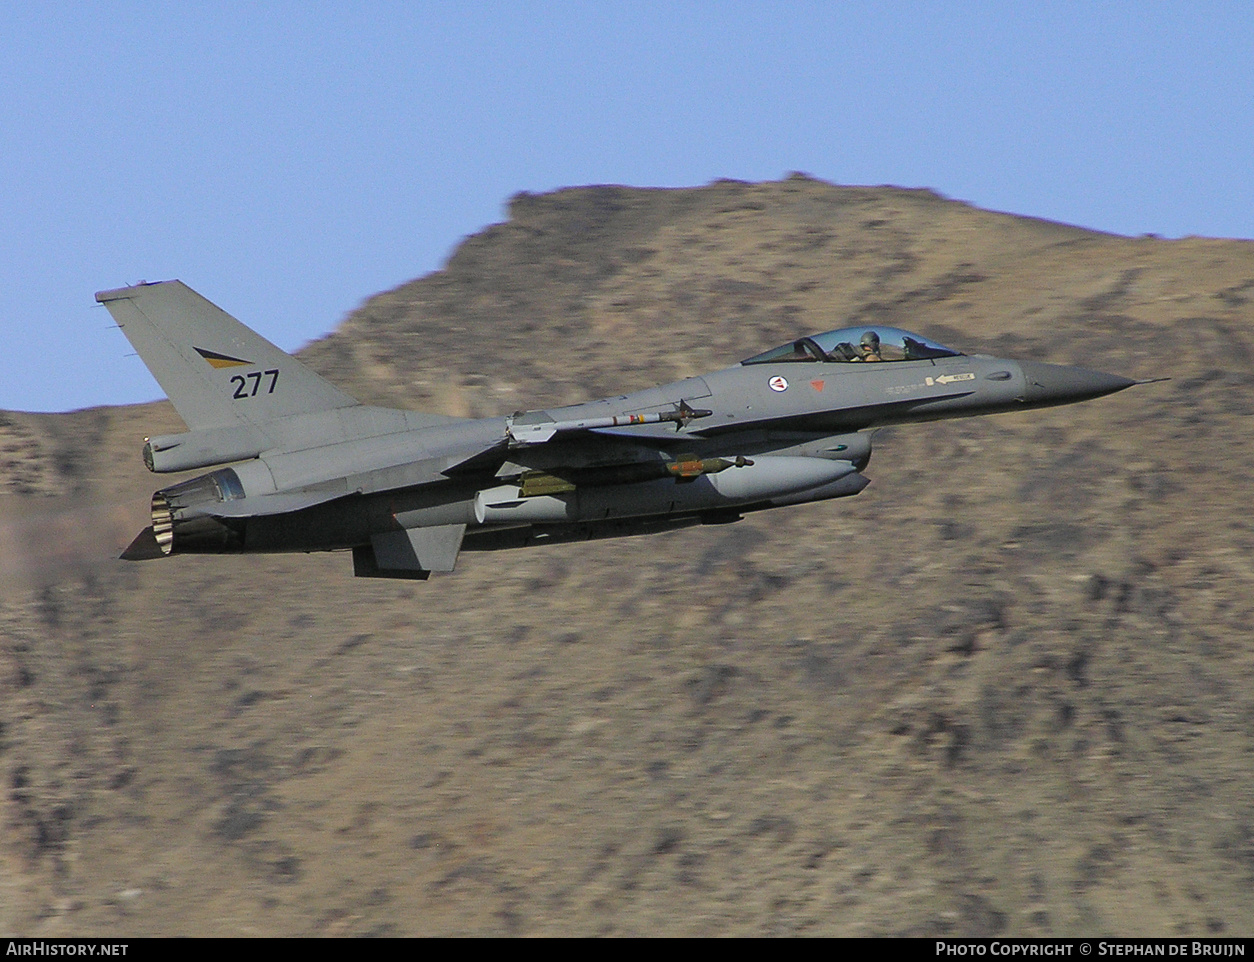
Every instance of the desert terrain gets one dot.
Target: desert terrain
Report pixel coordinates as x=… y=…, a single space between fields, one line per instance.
x=1006 y=690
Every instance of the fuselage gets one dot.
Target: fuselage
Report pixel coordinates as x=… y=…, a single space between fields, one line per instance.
x=798 y=423
x=312 y=469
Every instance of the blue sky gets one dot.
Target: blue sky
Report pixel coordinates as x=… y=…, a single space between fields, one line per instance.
x=288 y=160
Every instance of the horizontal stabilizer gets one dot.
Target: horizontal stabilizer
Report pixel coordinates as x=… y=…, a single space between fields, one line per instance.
x=144 y=547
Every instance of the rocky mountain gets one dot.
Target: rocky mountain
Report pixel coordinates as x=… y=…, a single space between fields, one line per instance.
x=1008 y=689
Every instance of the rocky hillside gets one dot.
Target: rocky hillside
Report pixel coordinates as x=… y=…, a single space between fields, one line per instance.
x=1009 y=689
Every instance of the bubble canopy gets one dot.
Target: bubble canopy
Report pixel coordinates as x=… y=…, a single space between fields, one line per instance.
x=870 y=342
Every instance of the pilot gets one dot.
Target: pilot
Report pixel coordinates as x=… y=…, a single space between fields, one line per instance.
x=869 y=347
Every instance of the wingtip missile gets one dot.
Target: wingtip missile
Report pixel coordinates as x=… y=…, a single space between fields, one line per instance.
x=524 y=434
x=684 y=415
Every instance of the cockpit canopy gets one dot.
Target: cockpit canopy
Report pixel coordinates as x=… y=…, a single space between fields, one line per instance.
x=871 y=342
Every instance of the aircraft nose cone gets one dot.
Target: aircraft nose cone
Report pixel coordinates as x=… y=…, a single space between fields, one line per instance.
x=1046 y=384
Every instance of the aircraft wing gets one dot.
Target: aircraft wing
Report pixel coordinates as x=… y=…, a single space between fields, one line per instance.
x=567 y=450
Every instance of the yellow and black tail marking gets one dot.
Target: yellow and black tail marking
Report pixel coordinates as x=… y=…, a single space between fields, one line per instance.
x=220 y=360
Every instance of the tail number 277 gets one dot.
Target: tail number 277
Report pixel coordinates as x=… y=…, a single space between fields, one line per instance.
x=249 y=385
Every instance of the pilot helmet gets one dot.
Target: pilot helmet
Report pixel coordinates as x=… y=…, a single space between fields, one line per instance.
x=872 y=340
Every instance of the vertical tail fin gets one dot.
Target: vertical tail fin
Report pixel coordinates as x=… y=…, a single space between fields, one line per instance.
x=215 y=370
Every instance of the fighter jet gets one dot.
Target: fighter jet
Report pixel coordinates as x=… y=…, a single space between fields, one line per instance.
x=312 y=469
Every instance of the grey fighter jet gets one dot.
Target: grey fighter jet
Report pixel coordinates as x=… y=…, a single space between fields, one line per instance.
x=311 y=469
